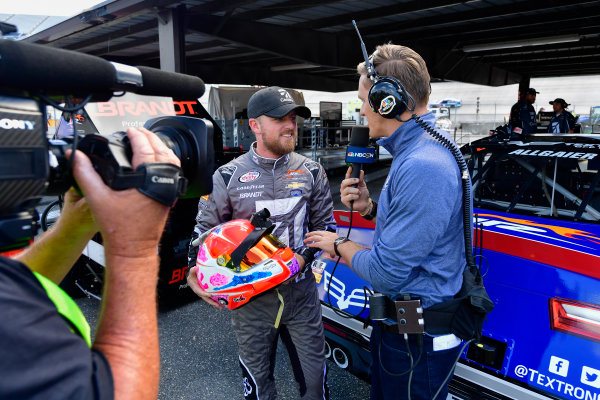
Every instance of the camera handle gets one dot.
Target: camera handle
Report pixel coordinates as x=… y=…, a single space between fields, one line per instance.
x=163 y=182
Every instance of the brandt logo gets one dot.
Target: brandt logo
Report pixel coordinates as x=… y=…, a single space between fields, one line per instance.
x=160 y=179
x=6 y=123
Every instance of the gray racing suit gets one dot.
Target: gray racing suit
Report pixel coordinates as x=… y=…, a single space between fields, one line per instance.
x=296 y=192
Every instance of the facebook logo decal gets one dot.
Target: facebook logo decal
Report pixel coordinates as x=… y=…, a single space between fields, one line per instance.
x=590 y=376
x=558 y=366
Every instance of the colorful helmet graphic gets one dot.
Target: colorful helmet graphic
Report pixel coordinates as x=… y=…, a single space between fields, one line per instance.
x=240 y=259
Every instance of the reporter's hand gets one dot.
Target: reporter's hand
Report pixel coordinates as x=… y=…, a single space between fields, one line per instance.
x=192 y=280
x=359 y=194
x=131 y=223
x=322 y=240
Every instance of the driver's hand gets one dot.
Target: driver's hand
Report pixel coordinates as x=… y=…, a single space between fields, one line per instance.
x=192 y=280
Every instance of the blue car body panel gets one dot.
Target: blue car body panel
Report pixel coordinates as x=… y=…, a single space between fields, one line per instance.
x=526 y=261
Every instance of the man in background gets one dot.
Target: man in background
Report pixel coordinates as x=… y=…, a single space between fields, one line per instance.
x=562 y=121
x=522 y=113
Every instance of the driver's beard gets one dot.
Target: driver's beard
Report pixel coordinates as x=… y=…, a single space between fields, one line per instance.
x=276 y=147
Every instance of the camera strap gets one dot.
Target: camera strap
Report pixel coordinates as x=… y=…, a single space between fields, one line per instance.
x=162 y=182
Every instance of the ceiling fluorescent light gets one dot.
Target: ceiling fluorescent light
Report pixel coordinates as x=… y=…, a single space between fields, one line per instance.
x=292 y=67
x=521 y=43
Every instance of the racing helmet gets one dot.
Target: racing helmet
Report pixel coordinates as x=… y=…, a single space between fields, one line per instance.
x=240 y=259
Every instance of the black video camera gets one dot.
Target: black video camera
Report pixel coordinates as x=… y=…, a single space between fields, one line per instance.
x=32 y=165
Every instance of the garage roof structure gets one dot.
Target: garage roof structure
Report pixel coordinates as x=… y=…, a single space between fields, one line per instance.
x=311 y=44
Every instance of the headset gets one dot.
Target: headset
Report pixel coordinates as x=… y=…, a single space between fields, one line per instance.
x=387 y=96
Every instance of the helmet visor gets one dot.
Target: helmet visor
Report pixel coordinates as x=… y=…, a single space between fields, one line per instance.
x=266 y=248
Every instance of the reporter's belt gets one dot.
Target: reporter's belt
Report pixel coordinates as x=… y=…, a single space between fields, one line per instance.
x=437 y=322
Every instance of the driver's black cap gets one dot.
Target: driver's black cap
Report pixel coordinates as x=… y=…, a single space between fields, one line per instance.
x=274 y=102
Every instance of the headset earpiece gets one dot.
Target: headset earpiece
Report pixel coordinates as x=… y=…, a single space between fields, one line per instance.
x=388 y=98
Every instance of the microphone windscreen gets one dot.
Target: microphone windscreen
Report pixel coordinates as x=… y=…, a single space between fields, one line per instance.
x=44 y=69
x=359 y=136
x=157 y=82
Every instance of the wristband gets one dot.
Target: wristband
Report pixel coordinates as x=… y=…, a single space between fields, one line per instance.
x=372 y=213
x=337 y=242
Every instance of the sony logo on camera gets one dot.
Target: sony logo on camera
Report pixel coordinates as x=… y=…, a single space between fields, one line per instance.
x=161 y=179
x=6 y=123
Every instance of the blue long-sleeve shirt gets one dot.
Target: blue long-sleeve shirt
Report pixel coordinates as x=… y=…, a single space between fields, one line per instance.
x=418 y=246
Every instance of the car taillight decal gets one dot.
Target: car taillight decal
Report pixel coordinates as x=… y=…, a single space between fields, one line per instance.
x=575 y=318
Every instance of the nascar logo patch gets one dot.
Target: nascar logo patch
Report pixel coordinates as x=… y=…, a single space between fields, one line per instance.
x=249 y=176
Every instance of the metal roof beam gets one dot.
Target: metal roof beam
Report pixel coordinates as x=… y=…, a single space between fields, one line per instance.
x=216 y=6
x=364 y=15
x=171 y=38
x=514 y=27
x=512 y=15
x=315 y=47
x=558 y=49
x=262 y=75
x=124 y=46
x=189 y=48
x=73 y=28
x=547 y=56
x=287 y=7
x=215 y=56
x=129 y=31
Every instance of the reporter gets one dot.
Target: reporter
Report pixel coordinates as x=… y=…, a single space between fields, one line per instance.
x=42 y=358
x=418 y=248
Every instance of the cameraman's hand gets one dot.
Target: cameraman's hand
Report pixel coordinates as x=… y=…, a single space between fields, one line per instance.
x=131 y=223
x=54 y=252
x=192 y=280
x=76 y=215
x=359 y=194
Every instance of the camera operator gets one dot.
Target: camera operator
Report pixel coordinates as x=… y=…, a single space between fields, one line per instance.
x=42 y=357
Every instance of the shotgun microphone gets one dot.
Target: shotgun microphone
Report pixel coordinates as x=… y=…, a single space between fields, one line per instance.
x=32 y=68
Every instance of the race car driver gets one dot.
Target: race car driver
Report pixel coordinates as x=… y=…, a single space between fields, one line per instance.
x=296 y=192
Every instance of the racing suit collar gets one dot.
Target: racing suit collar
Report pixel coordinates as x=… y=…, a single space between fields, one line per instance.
x=405 y=134
x=267 y=162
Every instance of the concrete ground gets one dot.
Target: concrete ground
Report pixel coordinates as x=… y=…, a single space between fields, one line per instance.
x=199 y=352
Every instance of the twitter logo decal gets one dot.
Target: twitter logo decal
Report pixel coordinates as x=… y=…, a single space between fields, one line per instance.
x=590 y=376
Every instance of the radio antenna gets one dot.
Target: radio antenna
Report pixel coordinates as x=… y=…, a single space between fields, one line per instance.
x=371 y=73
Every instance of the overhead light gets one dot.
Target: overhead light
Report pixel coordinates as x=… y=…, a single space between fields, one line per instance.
x=293 y=66
x=521 y=43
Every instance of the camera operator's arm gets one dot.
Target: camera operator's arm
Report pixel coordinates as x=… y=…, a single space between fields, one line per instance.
x=55 y=252
x=131 y=225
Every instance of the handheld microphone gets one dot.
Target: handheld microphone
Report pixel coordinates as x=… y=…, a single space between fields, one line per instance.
x=358 y=152
x=38 y=69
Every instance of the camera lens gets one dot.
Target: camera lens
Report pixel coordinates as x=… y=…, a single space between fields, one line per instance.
x=191 y=139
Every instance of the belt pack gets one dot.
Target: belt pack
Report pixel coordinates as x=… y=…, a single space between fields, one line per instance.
x=463 y=316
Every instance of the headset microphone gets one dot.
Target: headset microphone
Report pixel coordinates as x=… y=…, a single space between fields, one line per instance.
x=358 y=152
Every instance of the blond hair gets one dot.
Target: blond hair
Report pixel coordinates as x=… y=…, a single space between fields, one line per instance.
x=404 y=64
